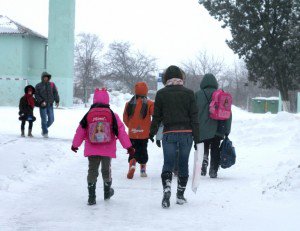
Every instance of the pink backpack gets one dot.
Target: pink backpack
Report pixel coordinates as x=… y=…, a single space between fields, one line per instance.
x=220 y=105
x=99 y=127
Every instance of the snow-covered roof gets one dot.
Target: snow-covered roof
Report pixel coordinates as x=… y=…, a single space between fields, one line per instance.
x=8 y=26
x=266 y=98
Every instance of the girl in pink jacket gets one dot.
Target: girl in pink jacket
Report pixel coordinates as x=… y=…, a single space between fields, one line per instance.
x=100 y=150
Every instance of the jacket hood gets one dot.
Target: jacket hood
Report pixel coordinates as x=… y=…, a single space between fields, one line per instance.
x=209 y=81
x=45 y=74
x=101 y=96
x=141 y=88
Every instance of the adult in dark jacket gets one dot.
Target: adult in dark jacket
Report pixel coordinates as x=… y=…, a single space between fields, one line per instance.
x=175 y=107
x=211 y=131
x=46 y=95
x=26 y=106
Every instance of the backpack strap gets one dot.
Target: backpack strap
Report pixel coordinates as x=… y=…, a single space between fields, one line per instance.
x=208 y=101
x=114 y=124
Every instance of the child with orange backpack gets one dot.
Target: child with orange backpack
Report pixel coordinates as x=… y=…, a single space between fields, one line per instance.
x=137 y=117
x=100 y=128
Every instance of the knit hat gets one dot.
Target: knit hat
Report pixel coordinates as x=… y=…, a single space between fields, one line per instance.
x=141 y=88
x=26 y=89
x=101 y=96
x=172 y=72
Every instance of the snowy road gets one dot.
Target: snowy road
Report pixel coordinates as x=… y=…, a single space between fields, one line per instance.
x=43 y=184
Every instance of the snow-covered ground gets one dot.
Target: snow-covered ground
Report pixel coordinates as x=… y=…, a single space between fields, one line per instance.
x=43 y=183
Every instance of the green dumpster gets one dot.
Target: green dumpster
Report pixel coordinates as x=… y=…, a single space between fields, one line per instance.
x=258 y=105
x=263 y=105
x=272 y=105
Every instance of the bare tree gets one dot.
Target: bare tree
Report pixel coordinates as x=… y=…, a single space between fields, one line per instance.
x=122 y=63
x=87 y=62
x=235 y=80
x=196 y=68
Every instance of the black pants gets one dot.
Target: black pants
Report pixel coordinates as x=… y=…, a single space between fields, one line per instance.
x=23 y=124
x=214 y=146
x=141 y=153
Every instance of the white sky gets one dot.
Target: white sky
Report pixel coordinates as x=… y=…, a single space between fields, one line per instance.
x=170 y=30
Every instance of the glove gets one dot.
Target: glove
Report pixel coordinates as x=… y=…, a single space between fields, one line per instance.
x=131 y=151
x=151 y=138
x=74 y=149
x=43 y=104
x=195 y=146
x=158 y=143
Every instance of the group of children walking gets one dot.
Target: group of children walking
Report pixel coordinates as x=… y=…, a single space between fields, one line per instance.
x=179 y=118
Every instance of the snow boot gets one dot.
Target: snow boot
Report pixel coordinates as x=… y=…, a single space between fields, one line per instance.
x=22 y=133
x=45 y=135
x=92 y=193
x=204 y=166
x=30 y=133
x=212 y=172
x=143 y=170
x=131 y=170
x=181 y=185
x=166 y=178
x=108 y=191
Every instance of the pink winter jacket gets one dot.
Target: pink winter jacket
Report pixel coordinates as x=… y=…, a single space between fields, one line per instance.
x=108 y=149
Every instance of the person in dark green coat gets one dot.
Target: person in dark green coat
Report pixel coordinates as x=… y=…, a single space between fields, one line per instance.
x=211 y=131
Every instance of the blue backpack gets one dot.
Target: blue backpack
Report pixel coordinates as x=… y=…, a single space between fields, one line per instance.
x=228 y=156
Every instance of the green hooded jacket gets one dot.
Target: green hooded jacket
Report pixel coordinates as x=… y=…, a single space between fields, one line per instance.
x=208 y=127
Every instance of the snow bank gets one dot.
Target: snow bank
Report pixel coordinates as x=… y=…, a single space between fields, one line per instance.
x=44 y=183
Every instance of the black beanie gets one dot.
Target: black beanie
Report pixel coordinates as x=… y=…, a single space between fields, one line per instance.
x=172 y=72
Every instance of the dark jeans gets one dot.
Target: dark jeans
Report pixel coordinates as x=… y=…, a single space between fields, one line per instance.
x=214 y=146
x=93 y=172
x=23 y=124
x=141 y=153
x=175 y=168
x=181 y=141
x=47 y=117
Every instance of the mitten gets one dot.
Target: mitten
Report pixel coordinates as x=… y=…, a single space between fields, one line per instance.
x=74 y=149
x=158 y=143
x=151 y=138
x=131 y=151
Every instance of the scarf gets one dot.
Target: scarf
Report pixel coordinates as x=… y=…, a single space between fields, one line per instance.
x=84 y=123
x=132 y=104
x=174 y=81
x=30 y=100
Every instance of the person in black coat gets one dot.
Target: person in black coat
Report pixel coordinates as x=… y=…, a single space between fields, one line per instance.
x=26 y=106
x=175 y=107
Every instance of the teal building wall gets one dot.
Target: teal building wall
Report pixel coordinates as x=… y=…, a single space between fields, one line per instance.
x=61 y=48
x=22 y=60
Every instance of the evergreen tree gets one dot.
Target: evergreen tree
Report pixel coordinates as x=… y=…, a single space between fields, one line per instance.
x=266 y=33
